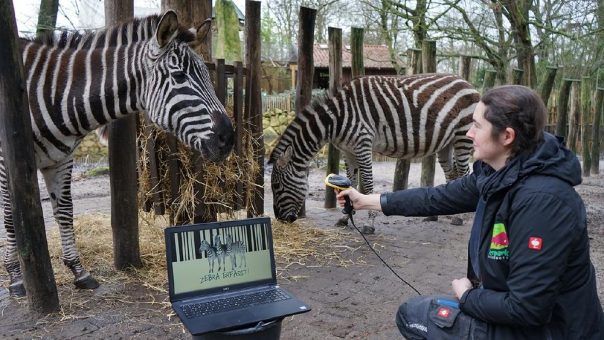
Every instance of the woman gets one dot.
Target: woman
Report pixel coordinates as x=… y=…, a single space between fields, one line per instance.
x=529 y=271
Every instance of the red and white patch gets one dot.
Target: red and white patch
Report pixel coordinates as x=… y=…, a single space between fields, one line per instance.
x=535 y=243
x=443 y=312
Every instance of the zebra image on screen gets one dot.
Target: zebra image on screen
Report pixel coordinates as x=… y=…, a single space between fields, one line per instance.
x=400 y=117
x=74 y=89
x=238 y=241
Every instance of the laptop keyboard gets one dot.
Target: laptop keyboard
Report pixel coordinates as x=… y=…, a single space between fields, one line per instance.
x=234 y=302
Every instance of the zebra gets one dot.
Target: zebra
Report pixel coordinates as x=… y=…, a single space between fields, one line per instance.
x=221 y=251
x=72 y=91
x=399 y=117
x=211 y=253
x=236 y=248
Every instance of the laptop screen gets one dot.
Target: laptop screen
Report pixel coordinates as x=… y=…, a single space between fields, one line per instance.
x=219 y=256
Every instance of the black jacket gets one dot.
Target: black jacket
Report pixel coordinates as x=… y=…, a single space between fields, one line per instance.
x=537 y=278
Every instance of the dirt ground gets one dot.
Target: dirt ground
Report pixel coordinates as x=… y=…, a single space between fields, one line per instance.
x=356 y=301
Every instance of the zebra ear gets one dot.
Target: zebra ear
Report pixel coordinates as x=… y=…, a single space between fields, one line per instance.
x=285 y=157
x=167 y=29
x=201 y=32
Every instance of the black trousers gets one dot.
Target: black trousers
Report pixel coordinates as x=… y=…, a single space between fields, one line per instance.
x=429 y=317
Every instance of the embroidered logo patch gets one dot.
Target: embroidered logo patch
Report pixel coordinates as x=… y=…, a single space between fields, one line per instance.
x=443 y=312
x=499 y=243
x=535 y=243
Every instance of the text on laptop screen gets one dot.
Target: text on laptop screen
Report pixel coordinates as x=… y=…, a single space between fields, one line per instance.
x=220 y=257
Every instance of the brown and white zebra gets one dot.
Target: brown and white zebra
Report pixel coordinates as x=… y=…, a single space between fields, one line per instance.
x=74 y=90
x=400 y=117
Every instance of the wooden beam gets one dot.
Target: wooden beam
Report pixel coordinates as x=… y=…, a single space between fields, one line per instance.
x=254 y=101
x=18 y=151
x=122 y=169
x=335 y=74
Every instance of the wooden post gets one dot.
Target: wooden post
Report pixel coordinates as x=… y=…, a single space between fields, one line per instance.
x=401 y=170
x=306 y=29
x=356 y=50
x=357 y=67
x=239 y=128
x=414 y=59
x=429 y=66
x=547 y=84
x=595 y=132
x=575 y=115
x=489 y=80
x=517 y=76
x=586 y=120
x=122 y=169
x=254 y=101
x=157 y=197
x=563 y=98
x=335 y=74
x=465 y=62
x=18 y=151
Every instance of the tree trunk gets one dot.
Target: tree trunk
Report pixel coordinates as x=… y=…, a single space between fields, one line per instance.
x=585 y=118
x=595 y=132
x=465 y=62
x=122 y=169
x=518 y=15
x=517 y=76
x=547 y=84
x=489 y=80
x=18 y=151
x=335 y=74
x=575 y=115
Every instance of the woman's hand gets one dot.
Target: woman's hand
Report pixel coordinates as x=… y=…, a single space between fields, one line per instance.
x=460 y=286
x=358 y=200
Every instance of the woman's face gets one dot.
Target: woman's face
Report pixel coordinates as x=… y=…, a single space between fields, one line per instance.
x=487 y=149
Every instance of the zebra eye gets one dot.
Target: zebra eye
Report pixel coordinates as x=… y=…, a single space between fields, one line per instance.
x=179 y=76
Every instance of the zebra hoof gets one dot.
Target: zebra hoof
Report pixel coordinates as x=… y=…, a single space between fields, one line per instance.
x=368 y=230
x=342 y=222
x=86 y=281
x=17 y=289
x=456 y=221
x=431 y=219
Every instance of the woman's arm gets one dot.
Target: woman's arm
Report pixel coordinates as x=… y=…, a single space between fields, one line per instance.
x=457 y=196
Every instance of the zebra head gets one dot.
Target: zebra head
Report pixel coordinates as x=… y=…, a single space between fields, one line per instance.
x=179 y=96
x=289 y=183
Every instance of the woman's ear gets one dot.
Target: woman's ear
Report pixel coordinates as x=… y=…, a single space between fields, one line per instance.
x=508 y=136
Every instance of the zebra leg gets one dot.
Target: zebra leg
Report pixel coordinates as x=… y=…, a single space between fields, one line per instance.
x=447 y=162
x=11 y=261
x=366 y=186
x=352 y=170
x=58 y=184
x=445 y=159
x=462 y=150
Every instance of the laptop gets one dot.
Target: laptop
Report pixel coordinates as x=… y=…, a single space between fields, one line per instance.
x=221 y=276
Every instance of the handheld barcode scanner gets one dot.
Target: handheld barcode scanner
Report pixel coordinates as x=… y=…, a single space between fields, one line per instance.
x=340 y=183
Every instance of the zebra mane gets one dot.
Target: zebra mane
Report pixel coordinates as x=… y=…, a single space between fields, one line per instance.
x=84 y=38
